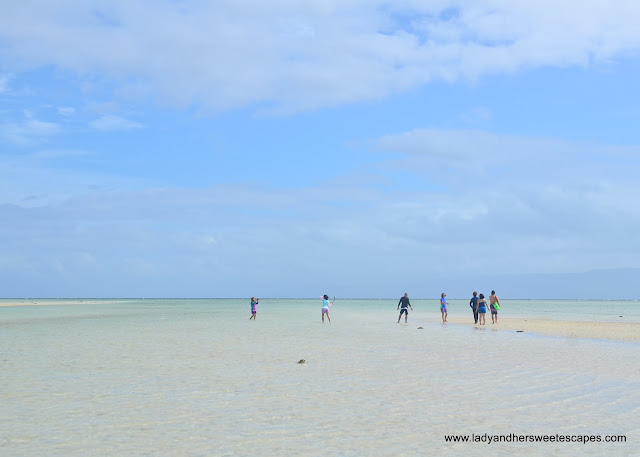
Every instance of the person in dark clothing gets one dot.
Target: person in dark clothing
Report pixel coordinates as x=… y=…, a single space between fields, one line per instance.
x=402 y=306
x=474 y=306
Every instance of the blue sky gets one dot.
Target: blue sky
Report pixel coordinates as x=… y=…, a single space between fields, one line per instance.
x=288 y=149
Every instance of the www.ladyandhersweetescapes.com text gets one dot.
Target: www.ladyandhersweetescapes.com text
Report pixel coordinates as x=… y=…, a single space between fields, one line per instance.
x=487 y=438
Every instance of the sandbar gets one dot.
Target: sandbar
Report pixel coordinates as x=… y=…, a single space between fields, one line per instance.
x=45 y=302
x=614 y=331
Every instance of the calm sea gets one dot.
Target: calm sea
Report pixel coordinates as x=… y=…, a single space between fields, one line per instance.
x=197 y=378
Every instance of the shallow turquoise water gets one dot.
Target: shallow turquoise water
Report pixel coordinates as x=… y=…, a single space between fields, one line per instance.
x=196 y=377
x=580 y=310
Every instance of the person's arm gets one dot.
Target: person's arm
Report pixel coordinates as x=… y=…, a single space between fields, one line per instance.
x=409 y=303
x=399 y=303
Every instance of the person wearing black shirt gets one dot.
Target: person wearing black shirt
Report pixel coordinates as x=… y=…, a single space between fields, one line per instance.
x=402 y=306
x=474 y=306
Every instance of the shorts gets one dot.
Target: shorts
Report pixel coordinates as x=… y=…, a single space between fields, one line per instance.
x=482 y=310
x=494 y=311
x=443 y=309
x=405 y=311
x=325 y=310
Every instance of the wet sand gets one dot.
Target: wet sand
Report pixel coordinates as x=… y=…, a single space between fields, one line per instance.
x=614 y=331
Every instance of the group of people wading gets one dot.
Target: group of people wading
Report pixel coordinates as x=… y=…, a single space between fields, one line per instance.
x=479 y=306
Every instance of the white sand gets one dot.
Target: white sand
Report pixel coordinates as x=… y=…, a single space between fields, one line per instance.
x=615 y=331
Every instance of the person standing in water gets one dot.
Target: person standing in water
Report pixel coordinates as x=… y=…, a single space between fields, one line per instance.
x=443 y=307
x=403 y=306
x=473 y=303
x=482 y=310
x=254 y=309
x=495 y=306
x=325 y=307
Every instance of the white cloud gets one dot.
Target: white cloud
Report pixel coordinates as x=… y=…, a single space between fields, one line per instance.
x=523 y=188
x=477 y=151
x=40 y=178
x=30 y=131
x=66 y=111
x=110 y=122
x=501 y=204
x=301 y=55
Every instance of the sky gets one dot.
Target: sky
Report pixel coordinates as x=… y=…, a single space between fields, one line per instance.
x=290 y=149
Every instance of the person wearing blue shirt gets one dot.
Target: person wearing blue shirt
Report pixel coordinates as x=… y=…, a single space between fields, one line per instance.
x=325 y=307
x=443 y=307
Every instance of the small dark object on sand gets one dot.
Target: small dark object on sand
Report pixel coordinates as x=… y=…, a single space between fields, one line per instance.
x=520 y=331
x=302 y=361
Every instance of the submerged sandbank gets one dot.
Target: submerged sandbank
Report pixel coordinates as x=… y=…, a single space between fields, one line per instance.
x=58 y=302
x=613 y=331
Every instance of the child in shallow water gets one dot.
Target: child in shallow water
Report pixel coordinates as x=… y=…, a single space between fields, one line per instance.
x=254 y=308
